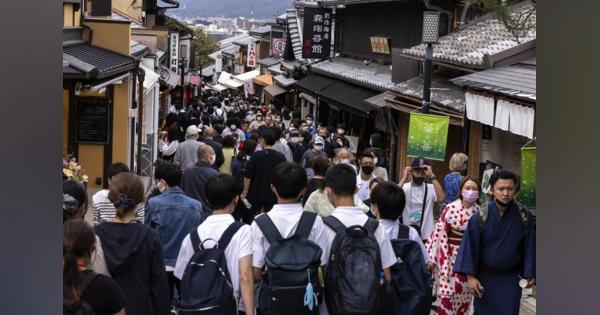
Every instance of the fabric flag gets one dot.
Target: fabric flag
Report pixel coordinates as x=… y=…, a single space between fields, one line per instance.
x=527 y=194
x=427 y=136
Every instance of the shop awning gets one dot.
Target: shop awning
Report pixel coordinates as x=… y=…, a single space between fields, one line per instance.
x=226 y=79
x=314 y=83
x=247 y=75
x=218 y=87
x=274 y=90
x=349 y=96
x=92 y=62
x=150 y=77
x=263 y=80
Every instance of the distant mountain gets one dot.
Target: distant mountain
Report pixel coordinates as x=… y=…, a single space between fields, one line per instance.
x=260 y=9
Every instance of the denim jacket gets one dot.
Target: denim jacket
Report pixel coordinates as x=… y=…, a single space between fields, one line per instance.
x=173 y=215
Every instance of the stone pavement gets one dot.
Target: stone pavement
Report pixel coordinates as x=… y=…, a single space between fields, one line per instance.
x=527 y=303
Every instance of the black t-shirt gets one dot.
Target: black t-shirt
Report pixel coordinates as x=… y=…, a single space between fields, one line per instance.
x=259 y=169
x=103 y=294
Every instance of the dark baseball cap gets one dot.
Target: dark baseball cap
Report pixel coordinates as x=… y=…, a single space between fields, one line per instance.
x=419 y=163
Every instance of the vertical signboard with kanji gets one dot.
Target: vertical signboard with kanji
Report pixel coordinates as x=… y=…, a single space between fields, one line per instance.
x=251 y=60
x=174 y=52
x=316 y=42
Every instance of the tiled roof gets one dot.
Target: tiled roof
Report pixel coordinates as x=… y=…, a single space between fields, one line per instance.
x=443 y=92
x=373 y=76
x=246 y=40
x=515 y=81
x=283 y=81
x=269 y=61
x=96 y=61
x=232 y=49
x=468 y=45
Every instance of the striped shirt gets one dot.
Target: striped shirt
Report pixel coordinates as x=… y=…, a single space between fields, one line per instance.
x=104 y=211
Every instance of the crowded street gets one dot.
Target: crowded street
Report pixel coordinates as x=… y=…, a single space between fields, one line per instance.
x=341 y=157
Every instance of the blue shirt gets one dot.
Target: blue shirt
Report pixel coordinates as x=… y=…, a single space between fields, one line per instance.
x=173 y=215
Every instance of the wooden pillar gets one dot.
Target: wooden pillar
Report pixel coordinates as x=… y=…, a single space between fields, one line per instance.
x=402 y=160
x=474 y=148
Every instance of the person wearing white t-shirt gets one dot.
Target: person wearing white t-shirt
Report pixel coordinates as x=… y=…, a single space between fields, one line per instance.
x=364 y=177
x=340 y=184
x=222 y=198
x=418 y=190
x=288 y=183
x=387 y=203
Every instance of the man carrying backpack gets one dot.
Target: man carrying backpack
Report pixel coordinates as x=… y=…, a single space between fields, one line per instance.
x=288 y=242
x=497 y=251
x=217 y=287
x=358 y=249
x=411 y=291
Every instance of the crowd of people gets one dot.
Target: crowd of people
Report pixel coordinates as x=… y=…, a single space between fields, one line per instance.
x=255 y=211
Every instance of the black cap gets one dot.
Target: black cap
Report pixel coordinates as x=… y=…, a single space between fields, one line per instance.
x=419 y=163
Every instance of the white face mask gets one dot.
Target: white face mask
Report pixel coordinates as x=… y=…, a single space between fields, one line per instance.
x=309 y=122
x=340 y=131
x=344 y=161
x=213 y=159
x=232 y=127
x=294 y=140
x=375 y=160
x=258 y=118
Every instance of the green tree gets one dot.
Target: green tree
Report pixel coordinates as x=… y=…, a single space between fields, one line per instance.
x=203 y=46
x=518 y=22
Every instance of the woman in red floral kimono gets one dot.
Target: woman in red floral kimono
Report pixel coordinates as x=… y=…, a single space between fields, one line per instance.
x=452 y=294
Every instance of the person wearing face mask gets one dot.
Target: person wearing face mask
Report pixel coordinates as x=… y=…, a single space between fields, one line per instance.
x=458 y=164
x=378 y=171
x=173 y=215
x=327 y=146
x=255 y=124
x=232 y=128
x=420 y=196
x=195 y=177
x=309 y=156
x=442 y=248
x=344 y=156
x=497 y=252
x=340 y=140
x=310 y=123
x=364 y=177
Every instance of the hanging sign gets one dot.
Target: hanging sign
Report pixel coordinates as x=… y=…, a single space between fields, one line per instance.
x=248 y=88
x=316 y=42
x=428 y=136
x=174 y=52
x=251 y=55
x=527 y=194
x=277 y=44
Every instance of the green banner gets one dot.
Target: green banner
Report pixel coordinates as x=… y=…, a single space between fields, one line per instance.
x=427 y=136
x=528 y=177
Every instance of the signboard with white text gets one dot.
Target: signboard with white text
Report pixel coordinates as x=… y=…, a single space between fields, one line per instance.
x=174 y=52
x=251 y=55
x=316 y=41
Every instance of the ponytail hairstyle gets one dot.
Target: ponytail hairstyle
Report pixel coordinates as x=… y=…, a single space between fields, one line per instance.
x=74 y=199
x=126 y=192
x=78 y=242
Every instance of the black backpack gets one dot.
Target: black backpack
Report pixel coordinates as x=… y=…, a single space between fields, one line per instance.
x=411 y=290
x=206 y=285
x=84 y=308
x=292 y=265
x=354 y=282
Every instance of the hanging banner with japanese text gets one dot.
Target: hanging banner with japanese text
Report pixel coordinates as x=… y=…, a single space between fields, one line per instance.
x=316 y=41
x=174 y=52
x=277 y=44
x=248 y=88
x=428 y=136
x=527 y=194
x=251 y=55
